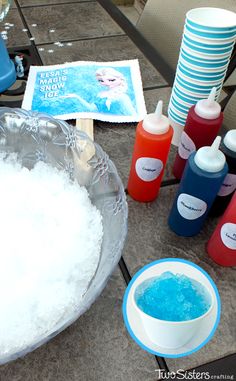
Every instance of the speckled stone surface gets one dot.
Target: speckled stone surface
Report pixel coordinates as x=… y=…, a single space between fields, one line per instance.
x=70 y=22
x=149 y=239
x=114 y=48
x=16 y=36
x=95 y=348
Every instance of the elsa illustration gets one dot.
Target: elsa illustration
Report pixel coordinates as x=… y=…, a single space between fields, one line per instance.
x=113 y=99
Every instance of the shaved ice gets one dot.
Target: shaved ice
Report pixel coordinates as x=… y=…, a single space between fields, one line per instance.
x=50 y=237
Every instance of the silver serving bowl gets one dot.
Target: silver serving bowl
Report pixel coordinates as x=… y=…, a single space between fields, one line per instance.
x=39 y=137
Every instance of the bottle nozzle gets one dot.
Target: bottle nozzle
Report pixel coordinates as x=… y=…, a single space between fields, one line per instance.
x=156 y=123
x=212 y=96
x=210 y=158
x=208 y=108
x=158 y=110
x=215 y=146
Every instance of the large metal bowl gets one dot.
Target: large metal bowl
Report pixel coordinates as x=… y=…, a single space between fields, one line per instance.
x=39 y=137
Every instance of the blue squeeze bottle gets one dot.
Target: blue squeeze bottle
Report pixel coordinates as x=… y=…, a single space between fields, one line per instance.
x=201 y=181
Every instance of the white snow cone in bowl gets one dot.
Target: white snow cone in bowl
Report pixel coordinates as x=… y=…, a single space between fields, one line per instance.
x=63 y=223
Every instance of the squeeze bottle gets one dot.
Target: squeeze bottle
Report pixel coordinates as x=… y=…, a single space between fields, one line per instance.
x=228 y=187
x=151 y=148
x=202 y=125
x=222 y=245
x=201 y=181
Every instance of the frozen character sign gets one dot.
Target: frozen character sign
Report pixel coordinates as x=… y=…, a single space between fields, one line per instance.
x=109 y=91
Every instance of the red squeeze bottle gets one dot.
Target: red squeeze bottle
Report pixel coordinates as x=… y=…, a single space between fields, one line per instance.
x=221 y=247
x=202 y=125
x=151 y=148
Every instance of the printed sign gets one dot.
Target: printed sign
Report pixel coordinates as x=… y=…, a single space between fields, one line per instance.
x=108 y=91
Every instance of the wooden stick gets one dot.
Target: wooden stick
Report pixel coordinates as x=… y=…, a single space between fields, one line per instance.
x=85 y=125
x=84 y=169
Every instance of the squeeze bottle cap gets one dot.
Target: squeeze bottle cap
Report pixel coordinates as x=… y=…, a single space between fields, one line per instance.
x=156 y=123
x=208 y=108
x=230 y=140
x=210 y=158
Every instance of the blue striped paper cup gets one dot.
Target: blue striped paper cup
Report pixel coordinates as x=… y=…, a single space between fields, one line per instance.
x=173 y=115
x=185 y=104
x=201 y=28
x=191 y=86
x=216 y=35
x=212 y=19
x=192 y=93
x=206 y=50
x=179 y=106
x=199 y=81
x=199 y=75
x=210 y=56
x=208 y=40
x=195 y=62
x=212 y=44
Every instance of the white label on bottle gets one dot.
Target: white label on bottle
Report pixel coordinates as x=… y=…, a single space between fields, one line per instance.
x=228 y=186
x=190 y=207
x=148 y=168
x=228 y=235
x=186 y=146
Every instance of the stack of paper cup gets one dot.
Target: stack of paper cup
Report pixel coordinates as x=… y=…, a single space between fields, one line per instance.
x=207 y=44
